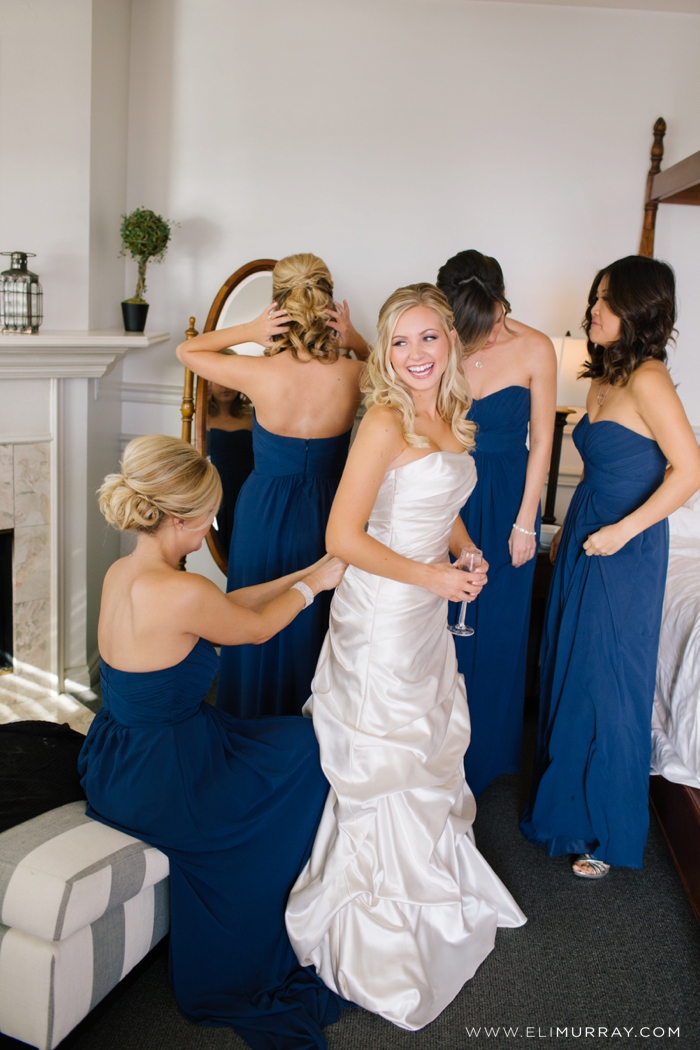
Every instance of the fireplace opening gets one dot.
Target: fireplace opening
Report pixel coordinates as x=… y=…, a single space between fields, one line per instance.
x=6 y=538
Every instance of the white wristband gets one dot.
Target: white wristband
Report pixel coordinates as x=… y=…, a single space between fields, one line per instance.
x=305 y=591
x=526 y=531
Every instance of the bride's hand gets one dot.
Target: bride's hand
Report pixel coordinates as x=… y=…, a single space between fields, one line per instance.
x=325 y=574
x=454 y=584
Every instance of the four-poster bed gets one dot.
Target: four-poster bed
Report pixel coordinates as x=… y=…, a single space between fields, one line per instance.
x=676 y=805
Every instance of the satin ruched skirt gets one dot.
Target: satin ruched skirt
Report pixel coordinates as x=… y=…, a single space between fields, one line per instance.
x=396 y=907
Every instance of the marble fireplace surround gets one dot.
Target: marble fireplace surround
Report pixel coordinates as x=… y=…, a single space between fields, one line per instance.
x=60 y=424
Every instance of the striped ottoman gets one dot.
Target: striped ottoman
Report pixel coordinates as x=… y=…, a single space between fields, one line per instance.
x=80 y=905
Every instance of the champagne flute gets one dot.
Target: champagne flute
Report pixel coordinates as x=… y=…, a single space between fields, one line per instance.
x=469 y=559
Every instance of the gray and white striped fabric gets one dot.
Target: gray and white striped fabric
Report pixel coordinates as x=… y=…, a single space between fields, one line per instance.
x=80 y=904
x=62 y=870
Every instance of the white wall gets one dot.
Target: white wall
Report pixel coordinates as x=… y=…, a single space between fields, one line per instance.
x=110 y=66
x=64 y=73
x=387 y=134
x=45 y=150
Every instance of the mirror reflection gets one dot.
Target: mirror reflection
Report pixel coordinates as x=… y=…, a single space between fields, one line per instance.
x=224 y=417
x=230 y=448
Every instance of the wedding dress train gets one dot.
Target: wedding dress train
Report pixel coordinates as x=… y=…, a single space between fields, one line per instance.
x=396 y=907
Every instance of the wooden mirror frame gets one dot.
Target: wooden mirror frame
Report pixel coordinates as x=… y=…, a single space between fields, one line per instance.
x=197 y=406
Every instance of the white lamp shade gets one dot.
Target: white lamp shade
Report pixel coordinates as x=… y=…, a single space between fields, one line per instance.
x=571 y=391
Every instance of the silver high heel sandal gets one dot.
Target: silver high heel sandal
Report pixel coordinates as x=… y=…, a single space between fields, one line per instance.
x=599 y=868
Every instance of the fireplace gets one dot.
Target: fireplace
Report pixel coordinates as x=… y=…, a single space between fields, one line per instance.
x=6 y=639
x=60 y=422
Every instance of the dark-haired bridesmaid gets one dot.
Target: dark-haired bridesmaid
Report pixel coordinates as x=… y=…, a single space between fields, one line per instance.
x=590 y=791
x=511 y=370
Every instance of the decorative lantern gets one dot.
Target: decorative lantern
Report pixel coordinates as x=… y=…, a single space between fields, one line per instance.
x=21 y=309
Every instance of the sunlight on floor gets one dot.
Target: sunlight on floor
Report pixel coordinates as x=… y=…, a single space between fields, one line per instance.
x=23 y=696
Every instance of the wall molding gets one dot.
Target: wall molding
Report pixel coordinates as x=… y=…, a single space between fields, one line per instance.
x=151 y=393
x=25 y=439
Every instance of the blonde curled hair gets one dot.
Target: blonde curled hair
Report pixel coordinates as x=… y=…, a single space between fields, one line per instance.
x=302 y=285
x=161 y=477
x=381 y=385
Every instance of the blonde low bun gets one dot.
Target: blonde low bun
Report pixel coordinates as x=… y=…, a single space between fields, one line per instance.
x=161 y=477
x=302 y=285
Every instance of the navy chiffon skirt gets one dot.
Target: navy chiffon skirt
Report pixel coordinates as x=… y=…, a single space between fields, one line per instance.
x=599 y=649
x=235 y=805
x=493 y=659
x=279 y=528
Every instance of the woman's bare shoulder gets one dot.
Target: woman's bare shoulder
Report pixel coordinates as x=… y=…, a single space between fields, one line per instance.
x=531 y=339
x=649 y=377
x=381 y=417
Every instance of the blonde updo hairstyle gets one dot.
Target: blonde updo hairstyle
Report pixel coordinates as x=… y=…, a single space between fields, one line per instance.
x=381 y=385
x=161 y=477
x=302 y=285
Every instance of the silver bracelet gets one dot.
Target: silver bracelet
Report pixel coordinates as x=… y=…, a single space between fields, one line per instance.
x=305 y=591
x=526 y=531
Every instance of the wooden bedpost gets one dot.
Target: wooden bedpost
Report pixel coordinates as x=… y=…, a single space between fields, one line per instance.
x=187 y=407
x=646 y=245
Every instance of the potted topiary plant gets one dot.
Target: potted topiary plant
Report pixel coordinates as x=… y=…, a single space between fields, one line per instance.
x=145 y=237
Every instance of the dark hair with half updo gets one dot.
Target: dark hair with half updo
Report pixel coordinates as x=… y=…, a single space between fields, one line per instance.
x=302 y=285
x=473 y=284
x=641 y=292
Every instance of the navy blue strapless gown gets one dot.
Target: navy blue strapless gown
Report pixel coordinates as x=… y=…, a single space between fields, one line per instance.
x=234 y=804
x=231 y=452
x=599 y=648
x=493 y=659
x=280 y=527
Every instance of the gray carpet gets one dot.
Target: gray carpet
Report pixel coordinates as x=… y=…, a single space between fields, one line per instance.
x=622 y=953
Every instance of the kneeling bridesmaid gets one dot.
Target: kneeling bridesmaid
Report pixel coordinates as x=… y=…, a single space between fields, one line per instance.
x=233 y=803
x=601 y=634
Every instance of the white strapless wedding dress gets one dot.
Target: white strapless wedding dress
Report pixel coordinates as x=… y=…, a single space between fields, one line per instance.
x=396 y=907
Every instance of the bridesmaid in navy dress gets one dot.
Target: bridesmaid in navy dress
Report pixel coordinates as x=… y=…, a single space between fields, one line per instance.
x=601 y=635
x=511 y=370
x=305 y=396
x=234 y=804
x=230 y=448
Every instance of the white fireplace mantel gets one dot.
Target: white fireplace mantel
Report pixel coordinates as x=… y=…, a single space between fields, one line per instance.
x=60 y=406
x=70 y=355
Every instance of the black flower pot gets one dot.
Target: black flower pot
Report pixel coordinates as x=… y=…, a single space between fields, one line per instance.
x=134 y=315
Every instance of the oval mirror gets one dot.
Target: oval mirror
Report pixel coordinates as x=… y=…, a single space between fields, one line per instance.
x=242 y=297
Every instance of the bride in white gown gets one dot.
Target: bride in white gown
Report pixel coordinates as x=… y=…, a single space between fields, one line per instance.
x=396 y=907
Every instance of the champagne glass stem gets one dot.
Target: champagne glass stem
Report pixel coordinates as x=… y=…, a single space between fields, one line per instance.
x=462 y=614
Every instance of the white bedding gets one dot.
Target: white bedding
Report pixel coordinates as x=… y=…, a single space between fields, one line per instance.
x=676 y=717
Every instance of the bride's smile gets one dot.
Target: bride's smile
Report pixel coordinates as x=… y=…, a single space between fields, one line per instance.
x=420 y=349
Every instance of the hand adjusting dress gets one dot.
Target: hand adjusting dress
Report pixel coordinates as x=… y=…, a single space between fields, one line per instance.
x=234 y=804
x=280 y=527
x=493 y=660
x=396 y=908
x=601 y=636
